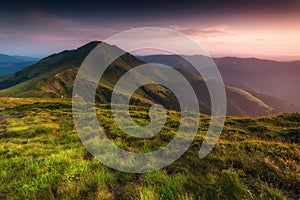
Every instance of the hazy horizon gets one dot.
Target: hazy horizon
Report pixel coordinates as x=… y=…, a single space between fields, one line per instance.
x=272 y=58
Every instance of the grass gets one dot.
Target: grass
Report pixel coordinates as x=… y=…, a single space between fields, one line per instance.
x=41 y=157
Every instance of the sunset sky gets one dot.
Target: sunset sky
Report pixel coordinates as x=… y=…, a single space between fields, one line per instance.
x=258 y=28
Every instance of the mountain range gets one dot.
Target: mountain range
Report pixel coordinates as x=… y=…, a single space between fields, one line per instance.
x=54 y=76
x=273 y=78
x=11 y=64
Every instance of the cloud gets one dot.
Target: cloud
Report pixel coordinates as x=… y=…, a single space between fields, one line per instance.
x=204 y=31
x=40 y=17
x=6 y=34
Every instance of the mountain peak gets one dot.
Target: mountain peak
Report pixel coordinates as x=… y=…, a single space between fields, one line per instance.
x=90 y=45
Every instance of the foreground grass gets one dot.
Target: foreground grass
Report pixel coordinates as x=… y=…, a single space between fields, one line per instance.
x=41 y=157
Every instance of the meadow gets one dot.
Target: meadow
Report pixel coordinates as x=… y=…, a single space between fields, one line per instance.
x=42 y=157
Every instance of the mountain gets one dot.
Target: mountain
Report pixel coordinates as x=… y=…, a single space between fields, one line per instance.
x=12 y=64
x=8 y=68
x=16 y=59
x=54 y=77
x=277 y=79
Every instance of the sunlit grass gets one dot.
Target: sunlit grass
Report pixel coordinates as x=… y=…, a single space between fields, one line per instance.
x=41 y=157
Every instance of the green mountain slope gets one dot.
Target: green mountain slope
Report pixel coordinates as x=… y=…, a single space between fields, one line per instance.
x=50 y=65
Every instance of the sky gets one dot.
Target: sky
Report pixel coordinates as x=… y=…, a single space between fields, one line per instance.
x=243 y=28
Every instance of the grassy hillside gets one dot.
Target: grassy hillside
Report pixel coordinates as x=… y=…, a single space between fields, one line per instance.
x=49 y=66
x=41 y=157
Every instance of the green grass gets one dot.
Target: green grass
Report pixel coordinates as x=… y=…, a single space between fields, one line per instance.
x=41 y=157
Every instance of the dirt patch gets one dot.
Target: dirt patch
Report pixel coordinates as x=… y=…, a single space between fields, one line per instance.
x=2 y=120
x=19 y=115
x=117 y=190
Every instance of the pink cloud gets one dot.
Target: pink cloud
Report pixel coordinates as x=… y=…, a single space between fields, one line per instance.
x=38 y=17
x=204 y=31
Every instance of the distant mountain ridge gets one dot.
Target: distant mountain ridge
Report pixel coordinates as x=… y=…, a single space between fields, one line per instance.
x=273 y=78
x=16 y=59
x=54 y=76
x=11 y=64
x=8 y=68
